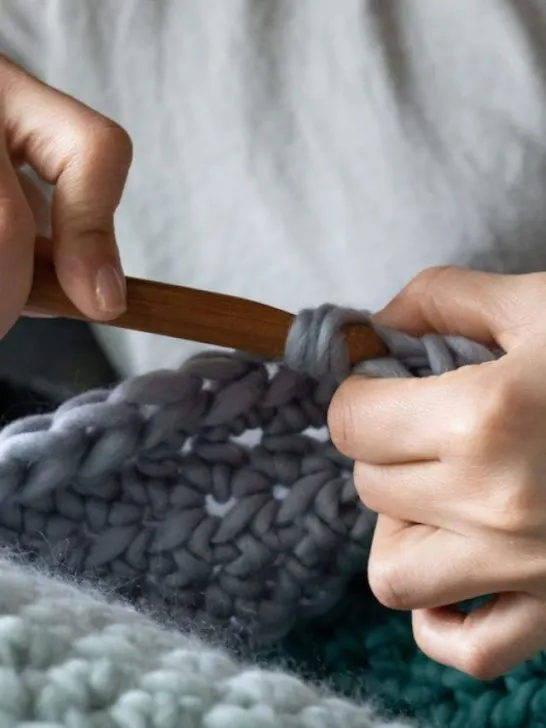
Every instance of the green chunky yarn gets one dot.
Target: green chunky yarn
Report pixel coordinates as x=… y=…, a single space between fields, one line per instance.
x=381 y=662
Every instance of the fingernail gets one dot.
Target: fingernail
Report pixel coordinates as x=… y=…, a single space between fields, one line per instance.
x=110 y=290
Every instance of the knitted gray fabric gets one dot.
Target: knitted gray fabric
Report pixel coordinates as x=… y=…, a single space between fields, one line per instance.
x=213 y=491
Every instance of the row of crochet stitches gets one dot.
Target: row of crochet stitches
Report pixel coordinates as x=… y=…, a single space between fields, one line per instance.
x=213 y=491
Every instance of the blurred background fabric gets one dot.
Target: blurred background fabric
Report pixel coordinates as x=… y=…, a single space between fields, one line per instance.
x=44 y=361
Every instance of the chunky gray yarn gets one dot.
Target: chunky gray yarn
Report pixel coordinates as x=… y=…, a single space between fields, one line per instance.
x=213 y=490
x=315 y=344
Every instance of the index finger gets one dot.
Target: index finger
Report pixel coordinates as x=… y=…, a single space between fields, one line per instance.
x=87 y=158
x=393 y=421
x=488 y=307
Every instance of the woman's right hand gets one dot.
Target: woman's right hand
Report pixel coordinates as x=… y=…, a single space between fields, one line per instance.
x=86 y=158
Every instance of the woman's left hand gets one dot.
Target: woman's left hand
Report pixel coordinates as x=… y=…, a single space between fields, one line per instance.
x=455 y=467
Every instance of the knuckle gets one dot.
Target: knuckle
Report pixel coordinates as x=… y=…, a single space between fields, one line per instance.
x=427 y=281
x=388 y=582
x=512 y=509
x=16 y=221
x=421 y=293
x=471 y=433
x=431 y=275
x=479 y=661
x=107 y=139
x=493 y=421
x=473 y=657
x=509 y=401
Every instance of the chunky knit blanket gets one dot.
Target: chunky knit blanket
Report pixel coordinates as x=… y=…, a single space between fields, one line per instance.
x=187 y=550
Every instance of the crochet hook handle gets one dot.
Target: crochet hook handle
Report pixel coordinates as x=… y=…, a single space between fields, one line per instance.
x=195 y=315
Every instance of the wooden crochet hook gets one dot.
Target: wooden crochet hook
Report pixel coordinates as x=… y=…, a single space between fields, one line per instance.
x=195 y=315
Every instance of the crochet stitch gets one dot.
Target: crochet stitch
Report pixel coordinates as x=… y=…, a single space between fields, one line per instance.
x=157 y=486
x=214 y=496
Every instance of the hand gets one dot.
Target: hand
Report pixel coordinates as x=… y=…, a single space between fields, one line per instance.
x=455 y=468
x=86 y=158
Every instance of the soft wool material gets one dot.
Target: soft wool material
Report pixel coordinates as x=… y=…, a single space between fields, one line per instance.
x=70 y=659
x=361 y=650
x=151 y=490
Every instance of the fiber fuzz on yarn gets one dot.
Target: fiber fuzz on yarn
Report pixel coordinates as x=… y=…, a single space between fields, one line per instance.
x=69 y=658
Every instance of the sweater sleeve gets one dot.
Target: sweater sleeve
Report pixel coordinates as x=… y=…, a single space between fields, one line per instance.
x=23 y=30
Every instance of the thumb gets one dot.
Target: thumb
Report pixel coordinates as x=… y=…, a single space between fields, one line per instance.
x=487 y=307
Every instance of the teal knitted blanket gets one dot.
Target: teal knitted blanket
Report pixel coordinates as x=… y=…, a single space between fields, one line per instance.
x=366 y=652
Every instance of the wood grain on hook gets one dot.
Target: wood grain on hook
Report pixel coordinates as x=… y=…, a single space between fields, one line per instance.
x=188 y=313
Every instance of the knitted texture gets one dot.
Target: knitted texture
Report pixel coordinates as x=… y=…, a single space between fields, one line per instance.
x=363 y=651
x=213 y=495
x=70 y=659
x=215 y=489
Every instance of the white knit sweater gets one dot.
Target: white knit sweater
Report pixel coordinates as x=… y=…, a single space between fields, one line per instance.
x=300 y=152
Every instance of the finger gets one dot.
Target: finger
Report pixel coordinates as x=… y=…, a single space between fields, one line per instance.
x=38 y=204
x=481 y=306
x=41 y=211
x=415 y=566
x=386 y=421
x=87 y=158
x=488 y=642
x=417 y=493
x=17 y=233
